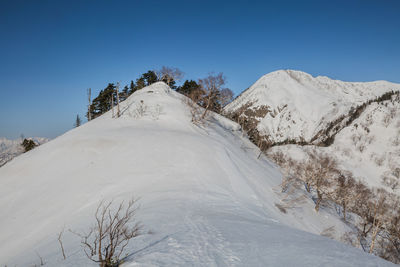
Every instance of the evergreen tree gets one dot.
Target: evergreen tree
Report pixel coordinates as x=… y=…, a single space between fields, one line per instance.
x=149 y=77
x=132 y=88
x=77 y=121
x=140 y=83
x=28 y=144
x=188 y=87
x=102 y=103
x=124 y=93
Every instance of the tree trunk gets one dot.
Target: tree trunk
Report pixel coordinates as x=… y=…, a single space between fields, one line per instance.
x=118 y=113
x=112 y=104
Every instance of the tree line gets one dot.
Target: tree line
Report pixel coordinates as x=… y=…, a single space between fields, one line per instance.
x=208 y=93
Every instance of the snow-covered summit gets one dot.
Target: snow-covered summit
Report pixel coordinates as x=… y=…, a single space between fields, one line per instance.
x=206 y=200
x=298 y=106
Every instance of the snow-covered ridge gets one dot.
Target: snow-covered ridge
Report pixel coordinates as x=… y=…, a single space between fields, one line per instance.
x=300 y=105
x=206 y=199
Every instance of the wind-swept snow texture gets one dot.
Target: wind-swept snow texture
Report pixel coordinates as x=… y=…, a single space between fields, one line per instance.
x=205 y=198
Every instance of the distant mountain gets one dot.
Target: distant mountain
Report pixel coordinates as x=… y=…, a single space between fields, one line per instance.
x=9 y=149
x=357 y=122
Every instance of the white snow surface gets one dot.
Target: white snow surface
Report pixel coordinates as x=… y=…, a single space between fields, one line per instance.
x=206 y=200
x=301 y=104
x=369 y=147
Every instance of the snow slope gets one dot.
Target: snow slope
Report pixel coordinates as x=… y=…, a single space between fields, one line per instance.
x=300 y=105
x=205 y=198
x=369 y=147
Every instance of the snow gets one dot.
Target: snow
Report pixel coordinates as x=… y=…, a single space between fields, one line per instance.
x=303 y=104
x=369 y=147
x=206 y=200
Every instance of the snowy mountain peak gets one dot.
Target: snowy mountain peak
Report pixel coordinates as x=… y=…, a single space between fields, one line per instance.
x=294 y=105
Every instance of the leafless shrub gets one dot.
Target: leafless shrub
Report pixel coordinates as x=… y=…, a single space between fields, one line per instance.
x=156 y=112
x=278 y=157
x=196 y=110
x=61 y=243
x=140 y=110
x=42 y=263
x=169 y=74
x=108 y=237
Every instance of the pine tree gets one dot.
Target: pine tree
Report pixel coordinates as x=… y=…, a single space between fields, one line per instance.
x=132 y=88
x=188 y=87
x=102 y=103
x=140 y=83
x=28 y=144
x=77 y=121
x=124 y=93
x=150 y=77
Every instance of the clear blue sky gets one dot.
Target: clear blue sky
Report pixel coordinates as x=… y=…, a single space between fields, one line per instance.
x=52 y=51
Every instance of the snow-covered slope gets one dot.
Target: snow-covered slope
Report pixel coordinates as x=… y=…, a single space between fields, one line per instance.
x=293 y=105
x=206 y=200
x=9 y=149
x=369 y=147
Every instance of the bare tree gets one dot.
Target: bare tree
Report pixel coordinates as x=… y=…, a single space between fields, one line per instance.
x=107 y=239
x=169 y=74
x=318 y=173
x=211 y=87
x=390 y=238
x=363 y=209
x=379 y=207
x=226 y=96
x=192 y=100
x=345 y=191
